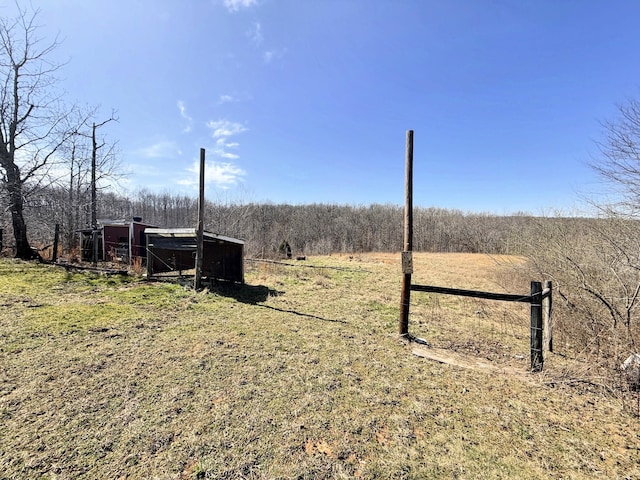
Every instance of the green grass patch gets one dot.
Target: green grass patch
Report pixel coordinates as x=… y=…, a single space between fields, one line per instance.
x=70 y=318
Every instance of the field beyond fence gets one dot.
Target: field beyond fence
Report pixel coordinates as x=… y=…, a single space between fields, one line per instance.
x=297 y=374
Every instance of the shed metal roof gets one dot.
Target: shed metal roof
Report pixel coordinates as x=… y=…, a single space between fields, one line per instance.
x=189 y=233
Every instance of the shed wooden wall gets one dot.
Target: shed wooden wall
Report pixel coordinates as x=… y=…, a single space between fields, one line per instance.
x=222 y=260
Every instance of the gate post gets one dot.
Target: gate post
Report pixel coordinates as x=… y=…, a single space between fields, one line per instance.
x=536 y=327
x=547 y=308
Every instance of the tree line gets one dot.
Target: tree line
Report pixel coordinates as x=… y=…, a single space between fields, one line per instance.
x=309 y=229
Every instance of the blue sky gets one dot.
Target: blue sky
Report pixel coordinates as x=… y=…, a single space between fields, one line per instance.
x=303 y=101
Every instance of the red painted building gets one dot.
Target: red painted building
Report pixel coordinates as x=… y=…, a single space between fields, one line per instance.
x=118 y=240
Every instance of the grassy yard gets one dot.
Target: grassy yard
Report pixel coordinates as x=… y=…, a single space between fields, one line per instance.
x=297 y=374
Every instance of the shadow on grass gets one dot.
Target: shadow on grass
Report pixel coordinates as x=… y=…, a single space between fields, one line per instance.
x=308 y=315
x=257 y=295
x=251 y=294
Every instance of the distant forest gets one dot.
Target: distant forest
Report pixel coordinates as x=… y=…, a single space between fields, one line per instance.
x=309 y=229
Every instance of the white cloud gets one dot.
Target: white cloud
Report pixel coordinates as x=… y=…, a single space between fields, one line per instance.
x=183 y=114
x=225 y=128
x=243 y=97
x=229 y=155
x=220 y=174
x=226 y=99
x=222 y=145
x=271 y=55
x=255 y=34
x=162 y=149
x=222 y=142
x=236 y=5
x=222 y=130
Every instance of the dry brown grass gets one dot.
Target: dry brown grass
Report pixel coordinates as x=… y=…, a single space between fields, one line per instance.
x=298 y=374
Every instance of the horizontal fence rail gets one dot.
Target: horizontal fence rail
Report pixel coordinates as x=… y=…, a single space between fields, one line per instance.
x=507 y=297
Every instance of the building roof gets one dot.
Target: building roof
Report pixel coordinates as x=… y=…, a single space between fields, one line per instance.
x=120 y=223
x=189 y=233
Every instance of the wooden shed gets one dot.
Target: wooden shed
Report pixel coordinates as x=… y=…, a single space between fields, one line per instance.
x=118 y=240
x=174 y=249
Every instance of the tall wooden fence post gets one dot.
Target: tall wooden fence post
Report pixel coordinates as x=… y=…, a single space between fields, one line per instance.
x=56 y=239
x=407 y=268
x=200 y=230
x=536 y=327
x=547 y=306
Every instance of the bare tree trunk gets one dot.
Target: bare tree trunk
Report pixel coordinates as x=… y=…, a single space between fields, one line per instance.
x=79 y=221
x=14 y=188
x=71 y=226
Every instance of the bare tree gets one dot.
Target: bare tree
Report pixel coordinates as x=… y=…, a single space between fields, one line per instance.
x=31 y=117
x=619 y=159
x=104 y=163
x=92 y=164
x=595 y=263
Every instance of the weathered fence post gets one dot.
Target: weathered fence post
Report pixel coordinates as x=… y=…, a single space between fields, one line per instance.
x=536 y=327
x=200 y=229
x=95 y=245
x=56 y=239
x=547 y=305
x=407 y=267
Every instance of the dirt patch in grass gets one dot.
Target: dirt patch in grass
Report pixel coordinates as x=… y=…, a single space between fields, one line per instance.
x=298 y=374
x=450 y=357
